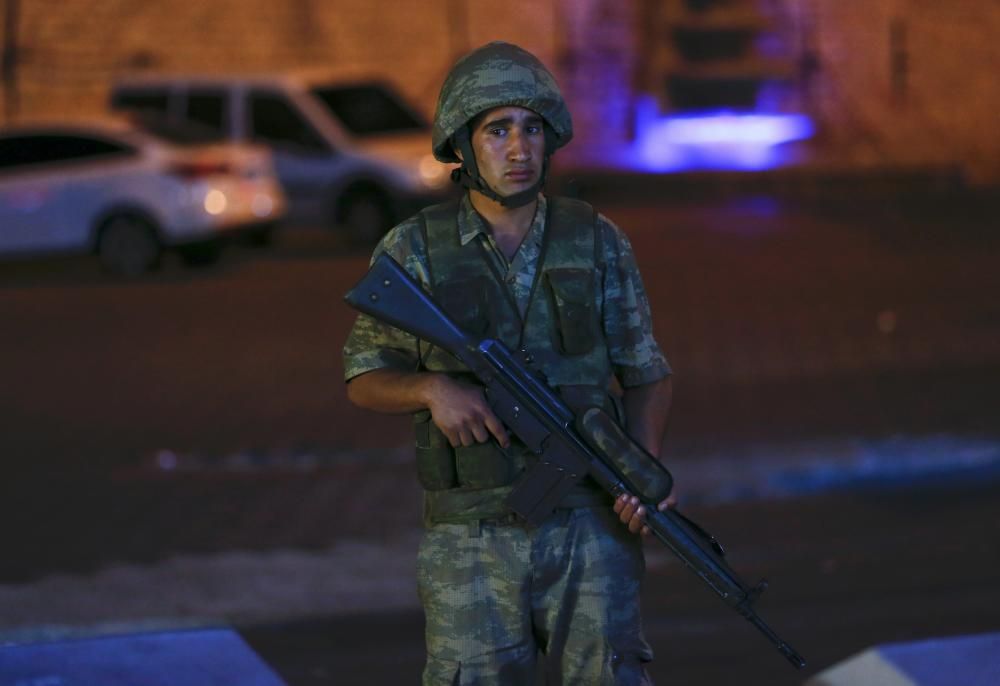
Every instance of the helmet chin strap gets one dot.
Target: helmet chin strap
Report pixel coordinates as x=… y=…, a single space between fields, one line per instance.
x=468 y=176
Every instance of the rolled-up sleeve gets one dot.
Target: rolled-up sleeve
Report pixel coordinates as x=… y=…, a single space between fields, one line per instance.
x=372 y=344
x=628 y=325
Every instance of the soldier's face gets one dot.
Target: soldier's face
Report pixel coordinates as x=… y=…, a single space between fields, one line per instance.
x=509 y=143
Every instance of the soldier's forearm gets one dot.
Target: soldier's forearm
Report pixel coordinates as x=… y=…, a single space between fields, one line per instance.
x=646 y=411
x=392 y=391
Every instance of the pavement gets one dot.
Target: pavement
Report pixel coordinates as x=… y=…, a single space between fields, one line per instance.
x=849 y=568
x=847 y=571
x=834 y=426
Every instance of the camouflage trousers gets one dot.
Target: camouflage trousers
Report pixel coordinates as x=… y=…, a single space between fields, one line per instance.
x=496 y=595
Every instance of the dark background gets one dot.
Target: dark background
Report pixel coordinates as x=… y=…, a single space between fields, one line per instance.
x=772 y=309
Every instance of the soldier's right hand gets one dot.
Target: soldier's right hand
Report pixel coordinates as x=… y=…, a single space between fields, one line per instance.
x=461 y=412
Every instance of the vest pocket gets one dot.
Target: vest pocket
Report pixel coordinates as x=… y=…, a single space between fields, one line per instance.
x=571 y=292
x=435 y=457
x=441 y=467
x=483 y=465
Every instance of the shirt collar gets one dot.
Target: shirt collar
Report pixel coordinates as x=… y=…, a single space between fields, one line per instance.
x=470 y=224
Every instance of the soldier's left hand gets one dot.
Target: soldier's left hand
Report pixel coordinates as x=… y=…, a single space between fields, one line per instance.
x=633 y=514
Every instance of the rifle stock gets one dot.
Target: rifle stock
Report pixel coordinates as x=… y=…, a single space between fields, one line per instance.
x=387 y=292
x=539 y=418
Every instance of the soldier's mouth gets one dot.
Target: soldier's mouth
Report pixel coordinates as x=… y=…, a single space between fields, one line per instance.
x=520 y=174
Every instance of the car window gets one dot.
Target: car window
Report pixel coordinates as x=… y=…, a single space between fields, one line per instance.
x=183 y=133
x=24 y=151
x=141 y=100
x=369 y=109
x=273 y=121
x=209 y=109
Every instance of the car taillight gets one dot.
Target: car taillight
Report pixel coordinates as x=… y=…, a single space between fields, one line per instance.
x=199 y=169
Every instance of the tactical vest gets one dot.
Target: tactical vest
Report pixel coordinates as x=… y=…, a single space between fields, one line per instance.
x=561 y=331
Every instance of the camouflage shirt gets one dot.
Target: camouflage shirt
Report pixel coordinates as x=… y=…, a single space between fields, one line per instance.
x=635 y=356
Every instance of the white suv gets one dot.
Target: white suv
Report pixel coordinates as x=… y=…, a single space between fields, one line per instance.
x=126 y=194
x=350 y=154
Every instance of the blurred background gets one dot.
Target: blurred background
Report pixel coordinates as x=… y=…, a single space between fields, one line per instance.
x=188 y=189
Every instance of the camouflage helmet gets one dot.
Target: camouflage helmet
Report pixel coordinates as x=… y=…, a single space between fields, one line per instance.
x=498 y=75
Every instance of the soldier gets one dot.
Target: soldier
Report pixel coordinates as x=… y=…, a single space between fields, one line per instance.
x=553 y=278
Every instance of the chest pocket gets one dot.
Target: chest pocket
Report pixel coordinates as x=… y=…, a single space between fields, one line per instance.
x=573 y=300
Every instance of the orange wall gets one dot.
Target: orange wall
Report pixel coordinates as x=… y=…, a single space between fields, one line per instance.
x=70 y=50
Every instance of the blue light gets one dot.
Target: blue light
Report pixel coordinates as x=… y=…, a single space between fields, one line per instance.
x=714 y=140
x=724 y=128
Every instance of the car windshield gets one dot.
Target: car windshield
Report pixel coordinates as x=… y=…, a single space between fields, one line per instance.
x=369 y=109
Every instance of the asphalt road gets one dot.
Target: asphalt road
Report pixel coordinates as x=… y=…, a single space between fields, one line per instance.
x=808 y=310
x=847 y=572
x=125 y=402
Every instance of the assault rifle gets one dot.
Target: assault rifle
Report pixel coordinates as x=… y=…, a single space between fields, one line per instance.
x=569 y=447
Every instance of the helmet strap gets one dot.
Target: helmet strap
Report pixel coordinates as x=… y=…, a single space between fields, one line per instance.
x=468 y=176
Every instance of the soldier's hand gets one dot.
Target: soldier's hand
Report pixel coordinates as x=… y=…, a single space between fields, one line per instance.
x=461 y=412
x=633 y=514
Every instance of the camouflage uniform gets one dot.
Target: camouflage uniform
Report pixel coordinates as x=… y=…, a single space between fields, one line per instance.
x=495 y=591
x=627 y=327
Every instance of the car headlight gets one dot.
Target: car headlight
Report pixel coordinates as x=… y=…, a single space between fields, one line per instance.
x=262 y=205
x=434 y=174
x=215 y=201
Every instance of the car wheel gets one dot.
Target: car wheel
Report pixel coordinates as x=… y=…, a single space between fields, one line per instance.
x=365 y=216
x=127 y=245
x=201 y=253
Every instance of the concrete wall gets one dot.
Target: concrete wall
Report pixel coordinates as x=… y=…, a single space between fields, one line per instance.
x=69 y=51
x=906 y=81
x=927 y=96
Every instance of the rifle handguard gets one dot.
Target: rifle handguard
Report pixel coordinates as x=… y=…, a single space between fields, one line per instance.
x=644 y=475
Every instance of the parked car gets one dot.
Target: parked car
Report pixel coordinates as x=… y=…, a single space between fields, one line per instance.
x=350 y=154
x=126 y=194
